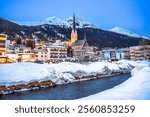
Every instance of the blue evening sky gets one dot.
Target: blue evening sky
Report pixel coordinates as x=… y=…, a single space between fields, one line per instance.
x=133 y=15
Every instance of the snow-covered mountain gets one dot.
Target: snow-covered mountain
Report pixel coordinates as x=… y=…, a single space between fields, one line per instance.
x=95 y=36
x=54 y=21
x=80 y=23
x=126 y=32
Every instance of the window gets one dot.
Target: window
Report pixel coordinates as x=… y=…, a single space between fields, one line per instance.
x=41 y=55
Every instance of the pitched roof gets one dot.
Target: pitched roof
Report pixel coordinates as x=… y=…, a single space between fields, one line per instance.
x=80 y=43
x=40 y=50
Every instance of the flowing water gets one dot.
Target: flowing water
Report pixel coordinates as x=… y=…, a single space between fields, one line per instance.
x=69 y=91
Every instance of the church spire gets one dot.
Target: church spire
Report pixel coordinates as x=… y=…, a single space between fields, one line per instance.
x=74 y=22
x=74 y=35
x=85 y=36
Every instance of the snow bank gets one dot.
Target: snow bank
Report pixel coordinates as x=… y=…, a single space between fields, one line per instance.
x=90 y=68
x=58 y=73
x=136 y=87
x=21 y=73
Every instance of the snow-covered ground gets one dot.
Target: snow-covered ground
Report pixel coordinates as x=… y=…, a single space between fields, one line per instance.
x=58 y=73
x=136 y=87
x=21 y=73
x=64 y=72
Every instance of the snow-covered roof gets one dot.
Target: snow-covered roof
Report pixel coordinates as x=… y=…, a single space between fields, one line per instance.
x=116 y=50
x=55 y=46
x=12 y=55
x=137 y=47
x=80 y=43
x=3 y=35
x=39 y=50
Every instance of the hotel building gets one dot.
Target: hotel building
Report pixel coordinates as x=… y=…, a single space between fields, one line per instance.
x=3 y=39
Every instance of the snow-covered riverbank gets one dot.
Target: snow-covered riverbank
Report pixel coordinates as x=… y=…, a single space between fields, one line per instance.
x=136 y=87
x=32 y=74
x=27 y=72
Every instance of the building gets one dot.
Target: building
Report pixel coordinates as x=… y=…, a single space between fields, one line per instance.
x=115 y=54
x=41 y=54
x=22 y=49
x=30 y=43
x=107 y=54
x=13 y=58
x=90 y=56
x=51 y=52
x=3 y=39
x=122 y=53
x=80 y=49
x=140 y=52
x=26 y=57
x=24 y=53
x=38 y=46
x=57 y=54
x=3 y=50
x=77 y=48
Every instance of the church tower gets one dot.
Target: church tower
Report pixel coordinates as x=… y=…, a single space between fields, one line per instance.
x=74 y=31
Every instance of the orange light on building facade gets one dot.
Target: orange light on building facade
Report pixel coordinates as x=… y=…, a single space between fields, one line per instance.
x=3 y=39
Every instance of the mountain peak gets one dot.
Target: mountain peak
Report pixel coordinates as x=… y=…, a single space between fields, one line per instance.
x=53 y=20
x=96 y=37
x=80 y=23
x=126 y=32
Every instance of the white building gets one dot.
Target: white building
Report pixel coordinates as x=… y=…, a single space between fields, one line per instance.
x=113 y=54
x=41 y=54
x=57 y=53
x=22 y=49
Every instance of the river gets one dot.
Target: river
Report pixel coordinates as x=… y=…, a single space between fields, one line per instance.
x=69 y=91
